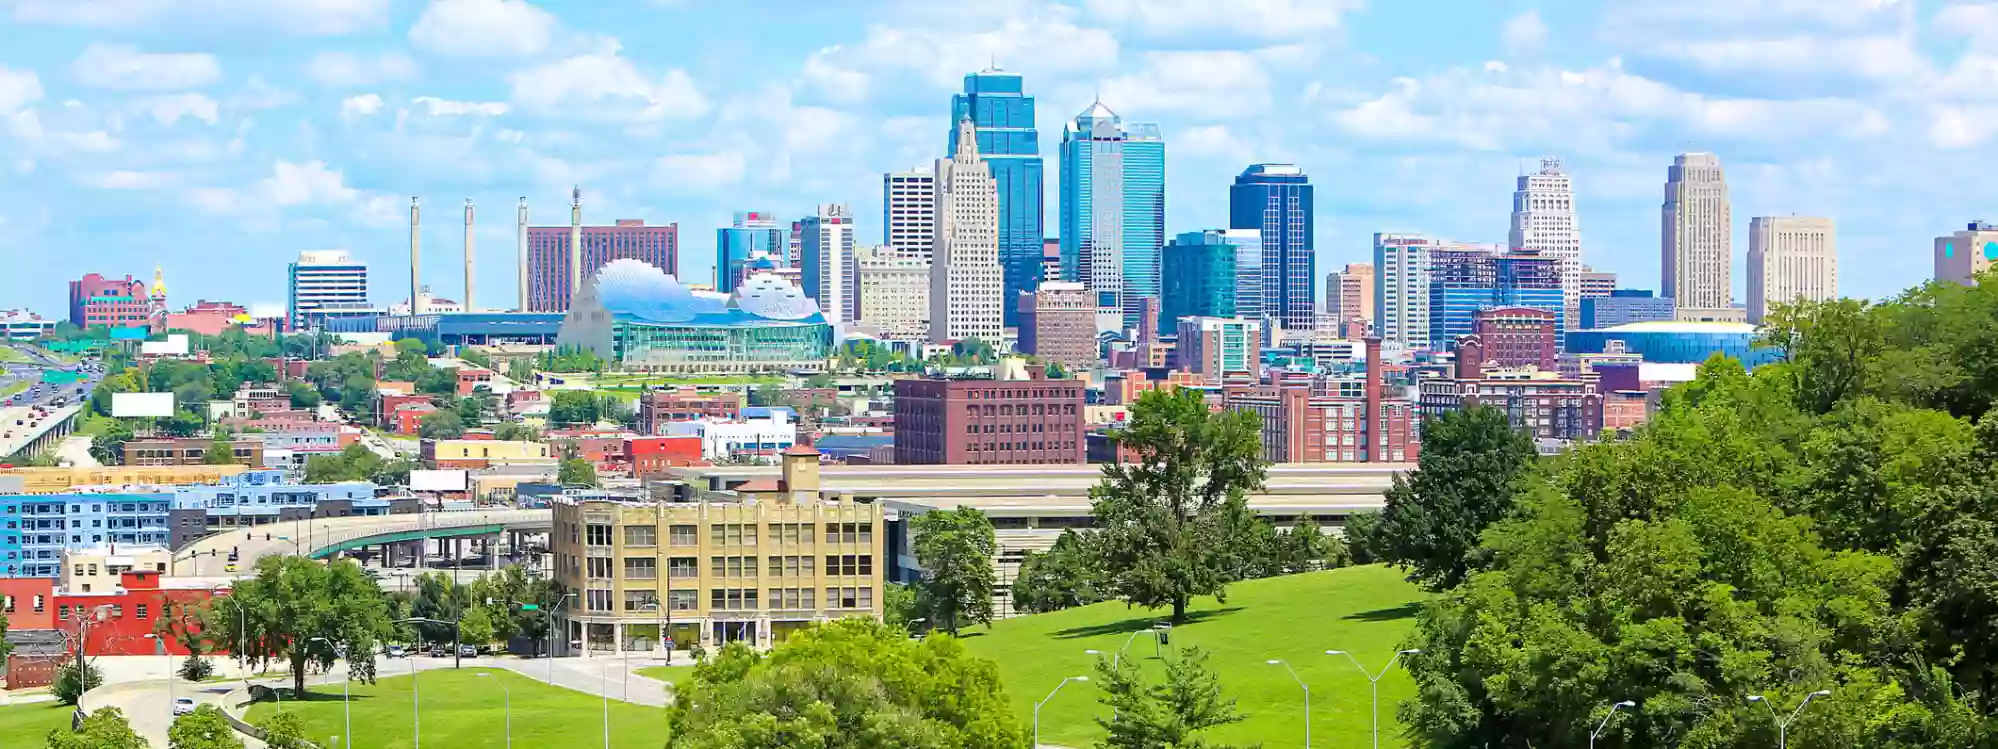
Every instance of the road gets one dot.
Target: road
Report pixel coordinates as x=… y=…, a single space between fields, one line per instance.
x=19 y=407
x=209 y=556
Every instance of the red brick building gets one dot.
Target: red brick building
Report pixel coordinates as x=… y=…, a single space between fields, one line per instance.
x=28 y=602
x=602 y=448
x=1516 y=336
x=1058 y=323
x=135 y=609
x=1037 y=420
x=1545 y=404
x=657 y=408
x=649 y=455
x=96 y=301
x=470 y=378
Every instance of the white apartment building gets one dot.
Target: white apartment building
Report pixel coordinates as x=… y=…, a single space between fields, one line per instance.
x=745 y=439
x=1790 y=258
x=966 y=292
x=894 y=293
x=908 y=213
x=825 y=254
x=326 y=282
x=1401 y=288
x=1696 y=239
x=1544 y=219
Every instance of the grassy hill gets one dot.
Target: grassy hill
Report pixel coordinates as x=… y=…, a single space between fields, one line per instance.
x=1363 y=610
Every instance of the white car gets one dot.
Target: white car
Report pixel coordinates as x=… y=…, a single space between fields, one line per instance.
x=182 y=705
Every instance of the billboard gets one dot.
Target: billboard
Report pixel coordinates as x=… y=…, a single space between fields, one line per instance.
x=437 y=481
x=174 y=345
x=136 y=405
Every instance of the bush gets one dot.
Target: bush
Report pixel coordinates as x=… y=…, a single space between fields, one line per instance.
x=68 y=688
x=284 y=730
x=196 y=668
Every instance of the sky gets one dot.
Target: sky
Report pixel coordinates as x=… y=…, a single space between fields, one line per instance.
x=218 y=138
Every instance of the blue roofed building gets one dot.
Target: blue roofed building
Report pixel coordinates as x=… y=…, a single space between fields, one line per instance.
x=642 y=318
x=1673 y=342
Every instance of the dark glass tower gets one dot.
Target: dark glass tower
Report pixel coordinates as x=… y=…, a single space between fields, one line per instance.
x=1003 y=117
x=1276 y=199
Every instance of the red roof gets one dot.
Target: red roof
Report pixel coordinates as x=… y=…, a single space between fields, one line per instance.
x=801 y=450
x=761 y=485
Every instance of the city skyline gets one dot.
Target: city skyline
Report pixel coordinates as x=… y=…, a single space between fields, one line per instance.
x=245 y=151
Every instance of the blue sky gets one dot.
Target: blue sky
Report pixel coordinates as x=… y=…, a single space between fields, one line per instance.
x=218 y=138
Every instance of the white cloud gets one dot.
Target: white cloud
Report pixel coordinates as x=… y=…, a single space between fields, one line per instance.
x=940 y=47
x=697 y=172
x=349 y=69
x=1265 y=19
x=447 y=108
x=129 y=180
x=18 y=89
x=1215 y=141
x=362 y=105
x=483 y=28
x=290 y=184
x=260 y=94
x=1205 y=85
x=606 y=85
x=167 y=109
x=1872 y=40
x=1524 y=34
x=831 y=81
x=302 y=17
x=92 y=141
x=124 y=68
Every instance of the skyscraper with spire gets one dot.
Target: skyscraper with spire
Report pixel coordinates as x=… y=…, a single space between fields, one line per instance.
x=1002 y=118
x=1112 y=211
x=1544 y=221
x=965 y=279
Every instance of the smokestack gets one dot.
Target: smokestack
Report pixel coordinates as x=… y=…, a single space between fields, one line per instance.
x=468 y=254
x=575 y=245
x=520 y=238
x=415 y=256
x=1370 y=429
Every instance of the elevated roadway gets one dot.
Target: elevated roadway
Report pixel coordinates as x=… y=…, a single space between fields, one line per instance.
x=209 y=556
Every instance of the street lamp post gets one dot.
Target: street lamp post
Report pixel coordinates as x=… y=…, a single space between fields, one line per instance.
x=346 y=693
x=508 y=695
x=1037 y=706
x=1782 y=724
x=159 y=646
x=1606 y=720
x=603 y=685
x=415 y=695
x=1375 y=682
x=551 y=637
x=1307 y=697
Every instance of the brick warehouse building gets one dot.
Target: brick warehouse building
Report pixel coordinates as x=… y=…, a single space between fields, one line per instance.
x=1029 y=421
x=1516 y=336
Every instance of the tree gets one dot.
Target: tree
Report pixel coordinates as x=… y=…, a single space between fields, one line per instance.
x=574 y=408
x=205 y=728
x=1163 y=520
x=899 y=607
x=576 y=472
x=1171 y=714
x=104 y=728
x=1462 y=483
x=302 y=394
x=300 y=611
x=476 y=628
x=513 y=431
x=476 y=357
x=284 y=730
x=221 y=451
x=439 y=598
x=183 y=423
x=441 y=425
x=1055 y=371
x=955 y=549
x=1064 y=576
x=5 y=646
x=73 y=679
x=108 y=446
x=1305 y=548
x=848 y=684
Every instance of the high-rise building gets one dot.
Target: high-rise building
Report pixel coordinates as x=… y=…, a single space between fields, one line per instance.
x=1401 y=288
x=825 y=255
x=755 y=234
x=1544 y=220
x=1349 y=295
x=1466 y=279
x=1212 y=273
x=96 y=301
x=1112 y=211
x=1963 y=255
x=1002 y=116
x=909 y=212
x=557 y=255
x=1220 y=347
x=1276 y=199
x=894 y=293
x=1623 y=307
x=1790 y=259
x=966 y=280
x=1697 y=239
x=1051 y=259
x=959 y=421
x=1058 y=324
x=326 y=283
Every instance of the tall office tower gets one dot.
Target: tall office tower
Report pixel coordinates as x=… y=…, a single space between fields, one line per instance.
x=1465 y=279
x=1544 y=221
x=1212 y=273
x=1277 y=200
x=1963 y=255
x=1401 y=288
x=558 y=255
x=1058 y=324
x=894 y=293
x=909 y=212
x=1112 y=211
x=1349 y=294
x=966 y=280
x=1597 y=283
x=325 y=282
x=1002 y=117
x=754 y=234
x=1790 y=259
x=1696 y=239
x=825 y=254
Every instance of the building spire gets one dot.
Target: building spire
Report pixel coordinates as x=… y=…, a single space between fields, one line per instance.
x=967 y=142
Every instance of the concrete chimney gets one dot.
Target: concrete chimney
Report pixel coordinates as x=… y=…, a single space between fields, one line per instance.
x=1370 y=428
x=415 y=256
x=520 y=238
x=468 y=255
x=575 y=245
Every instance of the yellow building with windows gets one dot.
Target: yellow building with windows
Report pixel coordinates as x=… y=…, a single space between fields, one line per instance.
x=469 y=454
x=45 y=480
x=776 y=558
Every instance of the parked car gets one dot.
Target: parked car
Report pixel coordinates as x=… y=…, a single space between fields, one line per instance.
x=439 y=651
x=182 y=705
x=468 y=651
x=397 y=651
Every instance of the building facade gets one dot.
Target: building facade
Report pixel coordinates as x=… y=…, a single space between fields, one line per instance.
x=1697 y=246
x=966 y=279
x=1349 y=295
x=1304 y=424
x=1466 y=279
x=755 y=234
x=1623 y=307
x=894 y=293
x=1790 y=259
x=1032 y=421
x=657 y=408
x=1544 y=221
x=549 y=253
x=1002 y=116
x=1113 y=211
x=326 y=283
x=1219 y=347
x=1675 y=342
x=1517 y=336
x=1276 y=200
x=188 y=451
x=1596 y=284
x=825 y=256
x=1212 y=273
x=909 y=213
x=636 y=315
x=99 y=302
x=1058 y=324
x=1961 y=256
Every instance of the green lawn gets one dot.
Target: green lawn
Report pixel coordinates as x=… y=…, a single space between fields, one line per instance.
x=668 y=674
x=463 y=711
x=1364 y=610
x=27 y=726
x=11 y=354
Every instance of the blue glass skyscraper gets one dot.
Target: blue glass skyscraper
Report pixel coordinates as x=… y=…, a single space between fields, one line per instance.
x=754 y=232
x=1276 y=199
x=1112 y=211
x=1003 y=117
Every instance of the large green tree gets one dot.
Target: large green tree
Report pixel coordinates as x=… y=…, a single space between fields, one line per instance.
x=956 y=550
x=1064 y=576
x=1463 y=482
x=104 y=728
x=205 y=728
x=300 y=612
x=1171 y=714
x=441 y=425
x=848 y=684
x=1164 y=520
